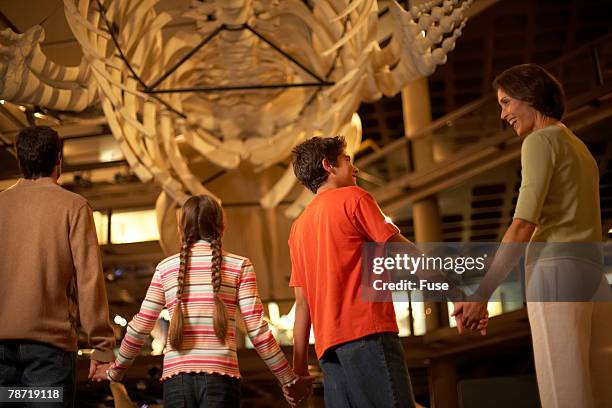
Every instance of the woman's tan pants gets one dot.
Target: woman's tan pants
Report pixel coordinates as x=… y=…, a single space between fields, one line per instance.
x=572 y=341
x=572 y=346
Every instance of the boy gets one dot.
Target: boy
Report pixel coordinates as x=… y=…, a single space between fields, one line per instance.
x=356 y=342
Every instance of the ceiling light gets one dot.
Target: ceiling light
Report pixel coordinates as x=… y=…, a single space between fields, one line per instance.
x=120 y=321
x=273 y=311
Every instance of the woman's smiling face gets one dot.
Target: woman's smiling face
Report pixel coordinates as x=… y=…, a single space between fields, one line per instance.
x=518 y=114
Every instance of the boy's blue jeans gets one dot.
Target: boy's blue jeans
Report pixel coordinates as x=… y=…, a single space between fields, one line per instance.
x=367 y=372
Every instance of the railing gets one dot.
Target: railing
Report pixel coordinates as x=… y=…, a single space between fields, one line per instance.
x=475 y=133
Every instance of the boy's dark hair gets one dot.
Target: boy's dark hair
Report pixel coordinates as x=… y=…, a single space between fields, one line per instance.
x=38 y=148
x=533 y=84
x=308 y=155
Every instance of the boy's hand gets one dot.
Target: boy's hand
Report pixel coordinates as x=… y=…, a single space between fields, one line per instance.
x=459 y=314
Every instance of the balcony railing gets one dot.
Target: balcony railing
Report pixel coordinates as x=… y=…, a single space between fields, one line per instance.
x=473 y=139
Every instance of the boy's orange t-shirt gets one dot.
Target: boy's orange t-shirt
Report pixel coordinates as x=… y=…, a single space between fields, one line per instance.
x=325 y=244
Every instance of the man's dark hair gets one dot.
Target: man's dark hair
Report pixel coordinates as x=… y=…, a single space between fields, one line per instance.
x=533 y=84
x=308 y=155
x=38 y=148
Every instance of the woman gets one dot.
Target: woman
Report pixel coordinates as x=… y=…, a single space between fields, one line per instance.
x=558 y=213
x=203 y=287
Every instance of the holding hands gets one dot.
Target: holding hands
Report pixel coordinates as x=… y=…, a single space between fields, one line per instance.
x=299 y=391
x=294 y=394
x=97 y=371
x=471 y=315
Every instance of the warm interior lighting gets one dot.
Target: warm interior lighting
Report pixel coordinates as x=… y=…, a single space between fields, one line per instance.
x=273 y=311
x=418 y=314
x=280 y=325
x=165 y=314
x=110 y=154
x=120 y=321
x=134 y=226
x=101 y=222
x=494 y=308
x=402 y=315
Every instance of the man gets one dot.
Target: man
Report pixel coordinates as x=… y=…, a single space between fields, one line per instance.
x=356 y=341
x=50 y=272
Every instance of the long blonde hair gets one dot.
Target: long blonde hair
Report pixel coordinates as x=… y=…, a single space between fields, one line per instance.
x=202 y=218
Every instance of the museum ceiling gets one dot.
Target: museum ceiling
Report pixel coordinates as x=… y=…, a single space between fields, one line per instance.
x=500 y=34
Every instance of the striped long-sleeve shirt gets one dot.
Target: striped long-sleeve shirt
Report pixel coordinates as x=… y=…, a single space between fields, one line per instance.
x=201 y=350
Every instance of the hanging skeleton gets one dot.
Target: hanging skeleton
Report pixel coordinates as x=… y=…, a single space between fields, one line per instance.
x=246 y=81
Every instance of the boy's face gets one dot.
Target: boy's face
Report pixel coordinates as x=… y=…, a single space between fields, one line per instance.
x=345 y=173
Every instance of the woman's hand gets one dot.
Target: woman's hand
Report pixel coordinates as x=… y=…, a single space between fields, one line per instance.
x=471 y=315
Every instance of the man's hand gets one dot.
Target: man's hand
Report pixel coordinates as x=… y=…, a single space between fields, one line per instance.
x=296 y=393
x=471 y=315
x=97 y=370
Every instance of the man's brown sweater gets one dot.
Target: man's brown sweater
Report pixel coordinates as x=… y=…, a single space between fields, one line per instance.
x=50 y=270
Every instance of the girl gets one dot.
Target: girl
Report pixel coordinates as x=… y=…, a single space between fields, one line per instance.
x=203 y=288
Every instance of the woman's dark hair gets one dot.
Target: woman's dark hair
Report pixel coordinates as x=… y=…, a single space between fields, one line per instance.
x=38 y=148
x=202 y=218
x=533 y=84
x=307 y=158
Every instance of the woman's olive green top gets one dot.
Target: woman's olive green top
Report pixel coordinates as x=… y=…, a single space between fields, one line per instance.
x=559 y=190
